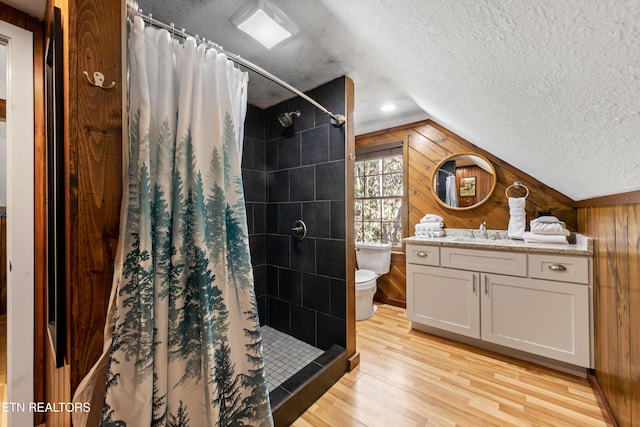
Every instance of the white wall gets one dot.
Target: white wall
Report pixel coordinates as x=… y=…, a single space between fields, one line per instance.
x=3 y=164
x=20 y=220
x=3 y=128
x=3 y=71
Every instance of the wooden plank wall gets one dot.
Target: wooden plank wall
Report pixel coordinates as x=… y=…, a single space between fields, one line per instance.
x=95 y=174
x=93 y=154
x=616 y=229
x=392 y=287
x=483 y=184
x=350 y=141
x=427 y=143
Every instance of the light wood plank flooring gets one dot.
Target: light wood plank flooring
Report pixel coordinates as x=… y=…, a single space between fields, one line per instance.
x=409 y=378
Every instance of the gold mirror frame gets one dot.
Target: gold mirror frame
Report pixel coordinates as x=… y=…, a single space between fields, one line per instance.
x=434 y=181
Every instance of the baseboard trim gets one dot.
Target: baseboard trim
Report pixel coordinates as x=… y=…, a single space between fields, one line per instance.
x=354 y=361
x=390 y=301
x=602 y=401
x=568 y=368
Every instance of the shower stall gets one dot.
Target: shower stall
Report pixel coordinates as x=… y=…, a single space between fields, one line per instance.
x=294 y=168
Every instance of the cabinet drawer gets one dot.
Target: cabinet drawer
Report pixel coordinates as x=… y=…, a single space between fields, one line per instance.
x=509 y=263
x=559 y=267
x=424 y=255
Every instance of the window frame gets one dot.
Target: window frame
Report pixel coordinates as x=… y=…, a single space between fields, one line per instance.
x=383 y=144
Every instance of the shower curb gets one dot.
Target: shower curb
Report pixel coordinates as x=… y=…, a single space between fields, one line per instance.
x=293 y=397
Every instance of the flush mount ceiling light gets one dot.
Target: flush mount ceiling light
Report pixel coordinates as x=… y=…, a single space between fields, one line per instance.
x=388 y=107
x=264 y=22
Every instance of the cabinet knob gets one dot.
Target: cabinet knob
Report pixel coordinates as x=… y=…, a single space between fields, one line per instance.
x=422 y=254
x=557 y=267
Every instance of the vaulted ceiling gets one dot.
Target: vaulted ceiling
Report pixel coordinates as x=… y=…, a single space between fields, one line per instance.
x=551 y=87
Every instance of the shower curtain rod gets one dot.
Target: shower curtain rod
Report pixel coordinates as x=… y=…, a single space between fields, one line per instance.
x=337 y=120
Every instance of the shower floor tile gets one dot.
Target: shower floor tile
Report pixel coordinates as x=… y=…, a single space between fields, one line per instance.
x=284 y=355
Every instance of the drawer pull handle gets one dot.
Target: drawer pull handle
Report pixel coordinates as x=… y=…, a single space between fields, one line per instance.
x=486 y=285
x=557 y=267
x=474 y=283
x=422 y=254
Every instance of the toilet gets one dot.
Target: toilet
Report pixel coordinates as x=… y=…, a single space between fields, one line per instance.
x=374 y=260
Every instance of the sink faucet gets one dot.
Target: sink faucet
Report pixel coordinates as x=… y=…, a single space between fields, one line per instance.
x=483 y=230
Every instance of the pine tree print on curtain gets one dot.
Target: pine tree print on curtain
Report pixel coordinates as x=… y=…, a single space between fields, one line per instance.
x=185 y=346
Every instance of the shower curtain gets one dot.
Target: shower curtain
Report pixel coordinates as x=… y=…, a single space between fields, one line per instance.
x=182 y=341
x=451 y=195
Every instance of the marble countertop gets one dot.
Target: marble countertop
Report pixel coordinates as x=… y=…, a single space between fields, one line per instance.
x=499 y=240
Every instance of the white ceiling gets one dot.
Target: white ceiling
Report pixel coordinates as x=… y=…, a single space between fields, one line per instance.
x=552 y=88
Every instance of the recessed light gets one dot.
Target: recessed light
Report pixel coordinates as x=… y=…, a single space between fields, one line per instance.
x=388 y=107
x=264 y=22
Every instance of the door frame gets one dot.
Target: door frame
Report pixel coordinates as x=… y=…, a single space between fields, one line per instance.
x=20 y=220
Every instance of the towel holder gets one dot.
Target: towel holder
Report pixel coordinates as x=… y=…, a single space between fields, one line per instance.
x=516 y=184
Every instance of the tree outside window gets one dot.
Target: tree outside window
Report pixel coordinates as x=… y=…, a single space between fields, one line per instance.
x=378 y=200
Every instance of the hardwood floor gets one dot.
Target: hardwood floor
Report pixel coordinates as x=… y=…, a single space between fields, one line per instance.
x=409 y=378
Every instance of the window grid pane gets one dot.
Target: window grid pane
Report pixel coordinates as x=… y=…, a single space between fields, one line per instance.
x=392 y=184
x=378 y=200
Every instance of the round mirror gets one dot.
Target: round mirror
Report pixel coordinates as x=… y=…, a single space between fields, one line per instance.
x=463 y=181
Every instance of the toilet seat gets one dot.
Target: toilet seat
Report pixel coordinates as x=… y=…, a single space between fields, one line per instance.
x=365 y=279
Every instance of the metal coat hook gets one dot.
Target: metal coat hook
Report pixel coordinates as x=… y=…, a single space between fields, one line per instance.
x=98 y=80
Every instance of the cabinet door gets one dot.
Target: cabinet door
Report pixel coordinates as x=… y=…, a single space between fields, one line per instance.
x=547 y=318
x=443 y=298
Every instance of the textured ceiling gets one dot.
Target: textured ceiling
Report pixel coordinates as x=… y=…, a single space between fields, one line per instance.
x=551 y=87
x=322 y=50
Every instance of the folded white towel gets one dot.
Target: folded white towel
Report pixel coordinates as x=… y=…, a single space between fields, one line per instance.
x=547 y=219
x=431 y=218
x=549 y=228
x=428 y=225
x=530 y=237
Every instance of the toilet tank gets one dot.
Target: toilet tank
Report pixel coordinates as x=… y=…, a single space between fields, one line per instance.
x=374 y=256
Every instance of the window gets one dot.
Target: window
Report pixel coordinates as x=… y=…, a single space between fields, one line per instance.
x=378 y=196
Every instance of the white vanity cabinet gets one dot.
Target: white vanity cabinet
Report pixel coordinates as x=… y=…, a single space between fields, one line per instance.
x=543 y=317
x=538 y=303
x=444 y=298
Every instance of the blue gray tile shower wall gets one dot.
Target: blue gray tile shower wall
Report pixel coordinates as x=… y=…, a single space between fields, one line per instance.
x=298 y=173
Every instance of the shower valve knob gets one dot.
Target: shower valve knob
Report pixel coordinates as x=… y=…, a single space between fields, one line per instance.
x=299 y=230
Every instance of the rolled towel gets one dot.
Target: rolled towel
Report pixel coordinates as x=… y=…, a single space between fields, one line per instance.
x=549 y=228
x=530 y=237
x=431 y=218
x=518 y=218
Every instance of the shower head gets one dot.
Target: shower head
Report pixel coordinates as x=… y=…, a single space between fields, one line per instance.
x=286 y=119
